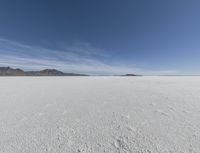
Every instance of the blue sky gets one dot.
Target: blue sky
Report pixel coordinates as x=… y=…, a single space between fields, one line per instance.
x=101 y=37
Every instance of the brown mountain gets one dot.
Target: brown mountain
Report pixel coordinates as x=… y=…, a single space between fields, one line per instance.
x=7 y=71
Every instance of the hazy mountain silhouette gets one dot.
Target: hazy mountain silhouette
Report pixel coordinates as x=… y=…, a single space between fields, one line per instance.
x=8 y=71
x=132 y=75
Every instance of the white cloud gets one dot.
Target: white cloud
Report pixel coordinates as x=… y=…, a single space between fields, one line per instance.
x=80 y=58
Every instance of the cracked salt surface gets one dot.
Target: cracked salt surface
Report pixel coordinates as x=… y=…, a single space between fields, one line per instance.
x=99 y=114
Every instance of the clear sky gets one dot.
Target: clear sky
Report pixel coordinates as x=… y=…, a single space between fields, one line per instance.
x=101 y=36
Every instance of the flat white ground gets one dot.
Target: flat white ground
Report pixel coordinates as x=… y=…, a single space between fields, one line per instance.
x=99 y=114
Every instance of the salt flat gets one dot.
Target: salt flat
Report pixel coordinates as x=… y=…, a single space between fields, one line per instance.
x=100 y=114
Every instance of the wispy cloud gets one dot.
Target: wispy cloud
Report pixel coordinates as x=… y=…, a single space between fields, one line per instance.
x=78 y=58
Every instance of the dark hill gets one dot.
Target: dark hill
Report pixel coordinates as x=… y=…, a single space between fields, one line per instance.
x=132 y=75
x=7 y=71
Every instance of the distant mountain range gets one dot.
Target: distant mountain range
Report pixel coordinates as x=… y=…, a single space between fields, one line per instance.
x=8 y=71
x=131 y=75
